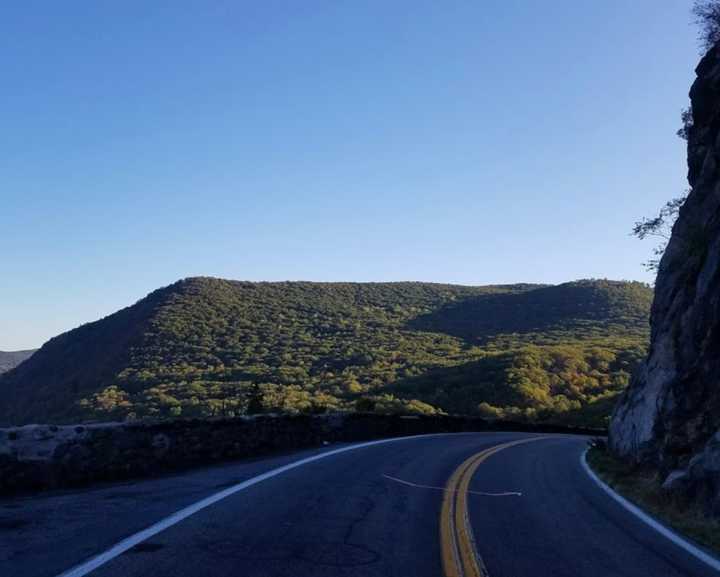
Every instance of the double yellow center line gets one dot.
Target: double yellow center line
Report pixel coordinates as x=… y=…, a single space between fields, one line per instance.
x=459 y=556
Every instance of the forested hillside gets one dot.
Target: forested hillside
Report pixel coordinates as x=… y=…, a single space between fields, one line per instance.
x=211 y=347
x=11 y=359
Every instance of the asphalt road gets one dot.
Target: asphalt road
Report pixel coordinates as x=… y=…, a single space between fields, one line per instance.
x=428 y=506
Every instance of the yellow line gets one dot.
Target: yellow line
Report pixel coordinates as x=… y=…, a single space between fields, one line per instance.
x=459 y=556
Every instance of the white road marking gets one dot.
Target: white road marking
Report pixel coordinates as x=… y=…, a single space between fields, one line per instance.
x=483 y=493
x=132 y=540
x=659 y=527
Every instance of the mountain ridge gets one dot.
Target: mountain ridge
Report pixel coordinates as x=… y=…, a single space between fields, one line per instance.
x=204 y=346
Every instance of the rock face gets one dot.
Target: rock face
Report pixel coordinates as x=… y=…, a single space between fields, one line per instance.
x=670 y=415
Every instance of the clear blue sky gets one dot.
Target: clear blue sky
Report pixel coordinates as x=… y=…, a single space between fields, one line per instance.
x=456 y=141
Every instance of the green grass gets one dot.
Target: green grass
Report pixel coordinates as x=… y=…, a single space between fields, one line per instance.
x=642 y=487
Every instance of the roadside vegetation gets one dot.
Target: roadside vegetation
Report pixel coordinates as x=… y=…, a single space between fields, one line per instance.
x=642 y=486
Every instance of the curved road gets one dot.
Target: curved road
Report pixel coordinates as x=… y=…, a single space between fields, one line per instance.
x=425 y=506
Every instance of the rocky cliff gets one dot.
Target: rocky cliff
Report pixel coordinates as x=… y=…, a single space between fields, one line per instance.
x=670 y=415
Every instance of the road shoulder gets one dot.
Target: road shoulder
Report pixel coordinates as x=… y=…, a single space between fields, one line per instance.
x=640 y=494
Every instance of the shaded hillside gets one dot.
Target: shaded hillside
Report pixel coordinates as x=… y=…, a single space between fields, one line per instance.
x=75 y=364
x=205 y=347
x=585 y=308
x=11 y=359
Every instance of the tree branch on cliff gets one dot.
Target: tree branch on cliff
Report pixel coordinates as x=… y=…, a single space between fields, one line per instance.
x=661 y=227
x=707 y=17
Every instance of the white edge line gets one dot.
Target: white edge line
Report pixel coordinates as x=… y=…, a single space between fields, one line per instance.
x=659 y=527
x=132 y=540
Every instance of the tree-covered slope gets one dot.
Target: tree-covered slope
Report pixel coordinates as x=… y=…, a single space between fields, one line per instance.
x=11 y=359
x=206 y=346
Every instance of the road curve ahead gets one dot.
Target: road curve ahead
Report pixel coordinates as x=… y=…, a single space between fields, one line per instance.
x=463 y=505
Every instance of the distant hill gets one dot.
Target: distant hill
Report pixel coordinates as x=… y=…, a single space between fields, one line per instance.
x=11 y=359
x=206 y=347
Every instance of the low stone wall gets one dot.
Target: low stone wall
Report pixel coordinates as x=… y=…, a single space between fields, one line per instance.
x=37 y=457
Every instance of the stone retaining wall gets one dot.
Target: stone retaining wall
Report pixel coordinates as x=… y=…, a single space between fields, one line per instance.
x=37 y=457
